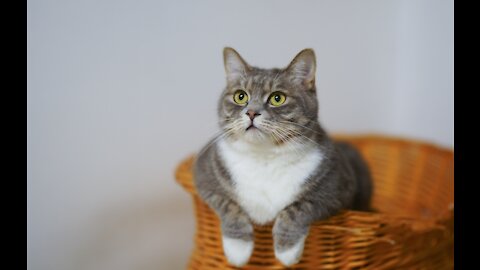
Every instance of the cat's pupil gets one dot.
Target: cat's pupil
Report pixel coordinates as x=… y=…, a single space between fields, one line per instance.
x=277 y=98
x=241 y=96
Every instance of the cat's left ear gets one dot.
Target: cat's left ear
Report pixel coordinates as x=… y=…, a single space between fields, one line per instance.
x=302 y=68
x=235 y=66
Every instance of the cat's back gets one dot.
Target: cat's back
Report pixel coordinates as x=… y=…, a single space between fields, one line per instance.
x=362 y=175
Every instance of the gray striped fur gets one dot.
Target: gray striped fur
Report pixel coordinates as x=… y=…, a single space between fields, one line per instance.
x=342 y=181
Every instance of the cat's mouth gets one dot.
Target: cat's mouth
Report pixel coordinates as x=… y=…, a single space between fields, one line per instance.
x=251 y=127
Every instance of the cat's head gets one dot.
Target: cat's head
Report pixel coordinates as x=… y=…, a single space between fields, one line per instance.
x=268 y=105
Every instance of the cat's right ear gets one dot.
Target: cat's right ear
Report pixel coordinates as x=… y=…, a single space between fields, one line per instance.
x=302 y=68
x=235 y=66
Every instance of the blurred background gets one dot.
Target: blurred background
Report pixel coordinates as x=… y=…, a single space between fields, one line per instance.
x=119 y=92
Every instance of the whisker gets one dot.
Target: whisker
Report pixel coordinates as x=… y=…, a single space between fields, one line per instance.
x=286 y=137
x=294 y=132
x=228 y=130
x=293 y=123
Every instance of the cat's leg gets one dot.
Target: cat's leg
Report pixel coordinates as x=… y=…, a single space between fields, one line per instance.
x=289 y=233
x=237 y=238
x=237 y=230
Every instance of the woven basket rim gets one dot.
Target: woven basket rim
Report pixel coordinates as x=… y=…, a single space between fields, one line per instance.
x=349 y=239
x=186 y=181
x=393 y=138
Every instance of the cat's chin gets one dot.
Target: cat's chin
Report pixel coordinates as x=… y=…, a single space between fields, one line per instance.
x=254 y=135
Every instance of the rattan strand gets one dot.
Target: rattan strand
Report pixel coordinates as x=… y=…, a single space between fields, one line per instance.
x=413 y=228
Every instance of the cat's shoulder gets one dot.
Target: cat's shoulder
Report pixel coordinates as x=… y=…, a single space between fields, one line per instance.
x=207 y=154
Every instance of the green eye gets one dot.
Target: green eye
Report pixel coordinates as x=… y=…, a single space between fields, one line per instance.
x=240 y=97
x=277 y=98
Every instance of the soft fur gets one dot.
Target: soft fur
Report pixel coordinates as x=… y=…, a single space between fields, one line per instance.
x=287 y=172
x=275 y=163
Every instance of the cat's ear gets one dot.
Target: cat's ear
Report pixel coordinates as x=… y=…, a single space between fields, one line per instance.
x=302 y=68
x=235 y=66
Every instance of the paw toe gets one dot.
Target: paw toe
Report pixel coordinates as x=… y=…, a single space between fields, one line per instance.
x=237 y=251
x=291 y=255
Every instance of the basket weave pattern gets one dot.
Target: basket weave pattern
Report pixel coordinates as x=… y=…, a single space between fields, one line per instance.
x=413 y=228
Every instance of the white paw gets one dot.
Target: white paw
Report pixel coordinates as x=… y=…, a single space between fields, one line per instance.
x=237 y=251
x=292 y=255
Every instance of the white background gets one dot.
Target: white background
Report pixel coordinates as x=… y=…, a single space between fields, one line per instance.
x=120 y=91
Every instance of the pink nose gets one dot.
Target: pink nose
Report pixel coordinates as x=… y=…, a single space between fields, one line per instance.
x=252 y=114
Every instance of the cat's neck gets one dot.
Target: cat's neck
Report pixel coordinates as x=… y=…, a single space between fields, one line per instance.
x=269 y=150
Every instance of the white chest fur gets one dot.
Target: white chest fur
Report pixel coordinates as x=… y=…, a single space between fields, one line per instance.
x=267 y=181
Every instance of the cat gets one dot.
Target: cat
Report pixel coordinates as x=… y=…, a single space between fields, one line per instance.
x=273 y=162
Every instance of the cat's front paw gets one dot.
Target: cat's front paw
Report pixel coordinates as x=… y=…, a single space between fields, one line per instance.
x=289 y=239
x=290 y=255
x=237 y=251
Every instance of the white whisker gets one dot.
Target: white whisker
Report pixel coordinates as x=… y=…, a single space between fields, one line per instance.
x=293 y=123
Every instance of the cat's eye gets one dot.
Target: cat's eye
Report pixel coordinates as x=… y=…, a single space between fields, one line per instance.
x=240 y=97
x=277 y=99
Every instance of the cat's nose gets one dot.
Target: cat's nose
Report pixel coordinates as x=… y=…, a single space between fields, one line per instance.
x=252 y=114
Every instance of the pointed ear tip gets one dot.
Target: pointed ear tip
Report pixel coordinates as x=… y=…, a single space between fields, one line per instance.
x=225 y=51
x=308 y=55
x=308 y=51
x=228 y=50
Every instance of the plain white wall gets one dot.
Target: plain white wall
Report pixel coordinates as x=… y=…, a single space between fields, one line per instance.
x=120 y=91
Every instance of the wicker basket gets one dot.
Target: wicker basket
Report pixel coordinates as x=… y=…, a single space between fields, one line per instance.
x=413 y=228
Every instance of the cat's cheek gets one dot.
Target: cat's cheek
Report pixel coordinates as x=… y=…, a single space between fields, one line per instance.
x=237 y=251
x=291 y=255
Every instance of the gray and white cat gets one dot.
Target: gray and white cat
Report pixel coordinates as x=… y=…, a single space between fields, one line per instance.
x=273 y=162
